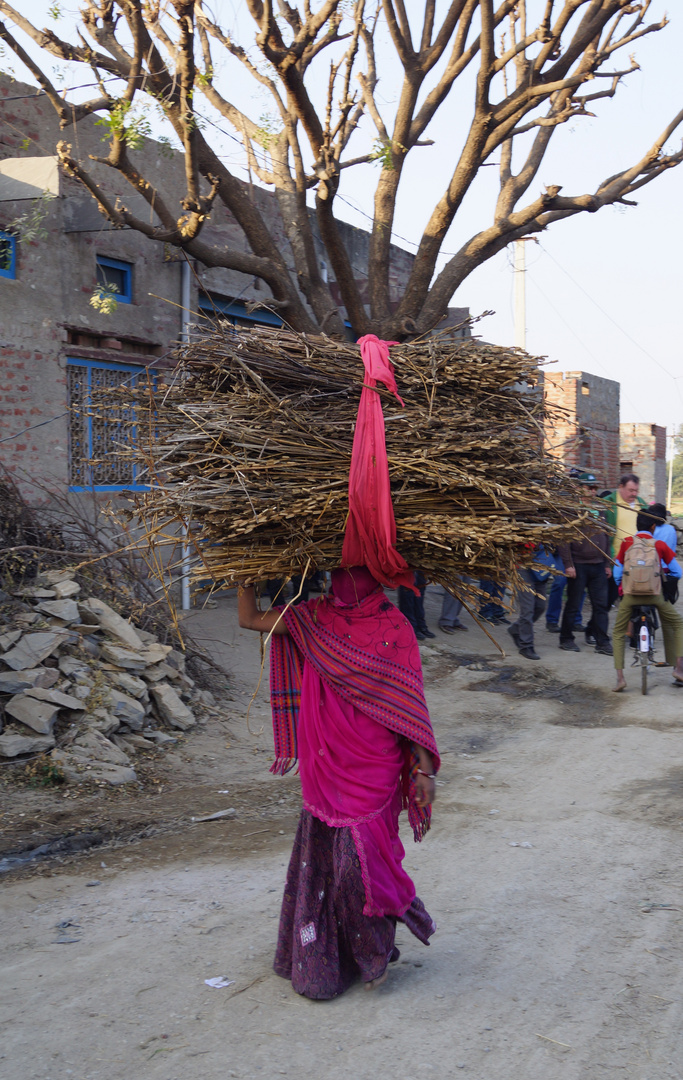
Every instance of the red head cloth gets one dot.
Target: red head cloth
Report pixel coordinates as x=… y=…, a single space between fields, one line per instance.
x=370 y=537
x=351 y=584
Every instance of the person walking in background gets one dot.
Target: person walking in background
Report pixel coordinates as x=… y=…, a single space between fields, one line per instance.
x=412 y=605
x=672 y=623
x=531 y=605
x=491 y=610
x=664 y=530
x=553 y=611
x=587 y=567
x=668 y=534
x=449 y=620
x=621 y=509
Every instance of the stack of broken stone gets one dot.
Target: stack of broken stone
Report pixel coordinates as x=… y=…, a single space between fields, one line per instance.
x=79 y=681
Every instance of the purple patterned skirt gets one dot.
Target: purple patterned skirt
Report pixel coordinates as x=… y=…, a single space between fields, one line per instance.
x=325 y=941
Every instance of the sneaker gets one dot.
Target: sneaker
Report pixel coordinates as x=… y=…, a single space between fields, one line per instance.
x=514 y=634
x=502 y=621
x=552 y=627
x=446 y=629
x=569 y=646
x=427 y=633
x=590 y=640
x=419 y=635
x=606 y=649
x=529 y=653
x=579 y=628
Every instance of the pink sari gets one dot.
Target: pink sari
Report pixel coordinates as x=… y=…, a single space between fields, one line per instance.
x=348 y=703
x=351 y=776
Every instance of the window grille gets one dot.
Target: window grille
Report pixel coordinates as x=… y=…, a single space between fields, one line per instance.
x=102 y=434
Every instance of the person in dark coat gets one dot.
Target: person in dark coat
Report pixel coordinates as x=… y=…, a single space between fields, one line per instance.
x=587 y=567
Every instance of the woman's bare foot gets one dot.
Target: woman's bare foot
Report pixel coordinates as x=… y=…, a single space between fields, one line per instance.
x=621 y=685
x=374 y=983
x=678 y=674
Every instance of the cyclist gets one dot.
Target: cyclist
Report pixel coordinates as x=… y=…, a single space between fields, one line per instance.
x=672 y=623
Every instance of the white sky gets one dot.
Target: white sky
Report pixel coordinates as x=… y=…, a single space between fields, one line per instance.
x=603 y=290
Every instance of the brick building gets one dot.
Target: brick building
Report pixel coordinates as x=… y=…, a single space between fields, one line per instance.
x=54 y=346
x=585 y=434
x=642 y=450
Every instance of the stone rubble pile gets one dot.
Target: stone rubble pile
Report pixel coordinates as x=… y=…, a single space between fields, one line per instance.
x=82 y=683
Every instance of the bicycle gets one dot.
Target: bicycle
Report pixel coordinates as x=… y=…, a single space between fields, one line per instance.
x=641 y=633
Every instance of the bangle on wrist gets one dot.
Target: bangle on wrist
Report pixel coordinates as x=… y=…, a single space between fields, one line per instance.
x=430 y=776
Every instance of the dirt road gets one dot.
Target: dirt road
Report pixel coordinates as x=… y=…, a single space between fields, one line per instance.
x=553 y=870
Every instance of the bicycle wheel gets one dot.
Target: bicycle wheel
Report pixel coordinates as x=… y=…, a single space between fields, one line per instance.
x=643 y=672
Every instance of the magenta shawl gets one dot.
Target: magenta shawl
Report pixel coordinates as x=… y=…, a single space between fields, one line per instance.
x=367 y=655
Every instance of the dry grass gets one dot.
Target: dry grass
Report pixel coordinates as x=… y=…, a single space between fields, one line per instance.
x=251 y=444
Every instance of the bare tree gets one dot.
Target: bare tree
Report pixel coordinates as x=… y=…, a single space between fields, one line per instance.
x=527 y=78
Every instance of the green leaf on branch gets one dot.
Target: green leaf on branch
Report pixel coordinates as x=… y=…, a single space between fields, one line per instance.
x=123 y=124
x=382 y=151
x=269 y=127
x=31 y=225
x=104 y=299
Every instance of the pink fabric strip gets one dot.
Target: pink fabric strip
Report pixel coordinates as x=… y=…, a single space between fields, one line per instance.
x=370 y=537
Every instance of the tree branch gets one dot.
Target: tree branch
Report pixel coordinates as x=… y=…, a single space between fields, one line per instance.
x=66 y=113
x=536 y=217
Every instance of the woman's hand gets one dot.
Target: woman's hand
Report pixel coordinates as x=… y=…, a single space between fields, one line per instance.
x=425 y=790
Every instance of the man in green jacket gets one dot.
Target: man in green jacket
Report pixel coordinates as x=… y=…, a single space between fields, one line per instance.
x=621 y=510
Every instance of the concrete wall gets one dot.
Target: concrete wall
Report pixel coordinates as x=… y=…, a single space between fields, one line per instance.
x=643 y=451
x=585 y=434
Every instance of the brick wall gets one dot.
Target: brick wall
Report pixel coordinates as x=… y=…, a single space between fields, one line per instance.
x=643 y=451
x=583 y=429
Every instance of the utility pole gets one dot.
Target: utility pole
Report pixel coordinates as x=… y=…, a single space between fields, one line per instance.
x=671 y=466
x=185 y=299
x=520 y=295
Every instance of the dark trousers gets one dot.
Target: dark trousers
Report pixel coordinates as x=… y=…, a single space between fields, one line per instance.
x=553 y=612
x=490 y=609
x=412 y=606
x=531 y=605
x=612 y=592
x=592 y=578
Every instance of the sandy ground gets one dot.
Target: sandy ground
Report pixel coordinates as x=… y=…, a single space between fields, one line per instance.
x=553 y=870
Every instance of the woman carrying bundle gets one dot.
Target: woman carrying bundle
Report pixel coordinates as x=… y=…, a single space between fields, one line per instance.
x=349 y=709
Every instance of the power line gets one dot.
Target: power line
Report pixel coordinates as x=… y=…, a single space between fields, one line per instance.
x=629 y=337
x=228 y=134
x=8 y=438
x=582 y=343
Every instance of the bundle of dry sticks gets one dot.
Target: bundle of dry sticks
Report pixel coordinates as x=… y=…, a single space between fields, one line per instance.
x=251 y=445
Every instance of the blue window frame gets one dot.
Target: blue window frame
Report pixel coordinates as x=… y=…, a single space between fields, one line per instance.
x=8 y=255
x=234 y=311
x=116 y=275
x=101 y=435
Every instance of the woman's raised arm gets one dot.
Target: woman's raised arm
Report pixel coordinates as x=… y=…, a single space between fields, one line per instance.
x=250 y=618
